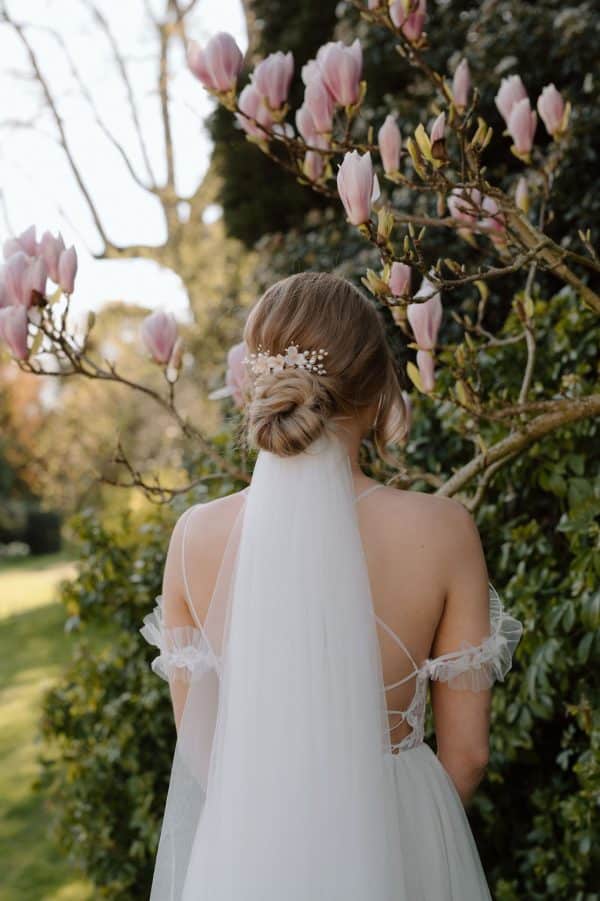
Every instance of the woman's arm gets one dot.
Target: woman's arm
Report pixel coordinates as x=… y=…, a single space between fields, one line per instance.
x=176 y=611
x=462 y=716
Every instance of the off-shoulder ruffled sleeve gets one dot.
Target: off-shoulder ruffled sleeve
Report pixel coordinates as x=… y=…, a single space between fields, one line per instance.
x=185 y=654
x=476 y=667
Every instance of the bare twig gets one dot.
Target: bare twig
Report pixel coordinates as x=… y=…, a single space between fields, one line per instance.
x=43 y=82
x=155 y=492
x=87 y=95
x=122 y=69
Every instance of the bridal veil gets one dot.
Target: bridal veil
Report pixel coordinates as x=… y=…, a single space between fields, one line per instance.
x=280 y=784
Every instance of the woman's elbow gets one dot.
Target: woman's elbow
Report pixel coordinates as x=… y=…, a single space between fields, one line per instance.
x=478 y=757
x=468 y=763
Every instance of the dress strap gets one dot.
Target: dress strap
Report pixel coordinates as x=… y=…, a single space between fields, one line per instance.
x=399 y=642
x=367 y=491
x=188 y=593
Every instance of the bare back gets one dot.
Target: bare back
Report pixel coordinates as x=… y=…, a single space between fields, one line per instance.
x=429 y=585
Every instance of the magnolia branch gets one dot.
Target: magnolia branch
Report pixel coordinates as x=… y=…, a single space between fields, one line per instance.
x=534 y=243
x=558 y=413
x=154 y=491
x=82 y=364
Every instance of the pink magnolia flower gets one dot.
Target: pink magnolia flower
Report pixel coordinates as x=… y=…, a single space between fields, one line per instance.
x=494 y=221
x=438 y=130
x=390 y=142
x=341 y=68
x=272 y=77
x=237 y=374
x=307 y=128
x=313 y=165
x=50 y=249
x=37 y=275
x=4 y=301
x=218 y=64
x=464 y=204
x=400 y=277
x=511 y=91
x=461 y=85
x=67 y=270
x=309 y=70
x=551 y=108
x=251 y=103
x=425 y=317
x=320 y=103
x=411 y=23
x=16 y=278
x=176 y=357
x=25 y=241
x=159 y=333
x=522 y=123
x=236 y=378
x=426 y=367
x=22 y=275
x=305 y=124
x=357 y=186
x=13 y=328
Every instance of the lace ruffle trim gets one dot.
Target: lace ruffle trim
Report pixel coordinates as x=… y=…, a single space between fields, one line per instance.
x=185 y=654
x=477 y=667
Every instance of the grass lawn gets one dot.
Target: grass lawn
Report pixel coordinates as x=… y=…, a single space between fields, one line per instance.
x=33 y=649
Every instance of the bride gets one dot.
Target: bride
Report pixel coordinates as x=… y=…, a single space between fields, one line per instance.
x=301 y=624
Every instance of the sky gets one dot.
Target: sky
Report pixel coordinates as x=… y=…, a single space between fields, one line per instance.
x=36 y=183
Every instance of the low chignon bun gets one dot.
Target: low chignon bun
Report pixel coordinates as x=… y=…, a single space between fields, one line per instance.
x=288 y=411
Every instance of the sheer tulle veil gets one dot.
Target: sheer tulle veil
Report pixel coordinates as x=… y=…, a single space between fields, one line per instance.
x=280 y=785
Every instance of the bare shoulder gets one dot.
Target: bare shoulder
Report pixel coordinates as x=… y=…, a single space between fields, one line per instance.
x=432 y=510
x=212 y=518
x=206 y=525
x=442 y=524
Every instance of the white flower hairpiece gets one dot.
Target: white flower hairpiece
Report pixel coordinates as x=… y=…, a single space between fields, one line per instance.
x=263 y=362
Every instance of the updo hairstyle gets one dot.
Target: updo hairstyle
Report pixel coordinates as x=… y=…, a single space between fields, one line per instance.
x=290 y=409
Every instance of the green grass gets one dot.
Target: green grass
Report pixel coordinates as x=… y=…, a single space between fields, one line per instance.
x=33 y=650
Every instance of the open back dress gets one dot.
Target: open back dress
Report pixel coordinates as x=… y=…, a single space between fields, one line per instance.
x=437 y=855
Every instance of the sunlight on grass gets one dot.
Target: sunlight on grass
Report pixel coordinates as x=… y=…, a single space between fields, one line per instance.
x=33 y=650
x=28 y=583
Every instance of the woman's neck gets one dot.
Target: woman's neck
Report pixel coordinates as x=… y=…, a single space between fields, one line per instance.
x=350 y=433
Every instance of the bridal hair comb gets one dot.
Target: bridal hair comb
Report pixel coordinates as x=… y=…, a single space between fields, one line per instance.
x=262 y=362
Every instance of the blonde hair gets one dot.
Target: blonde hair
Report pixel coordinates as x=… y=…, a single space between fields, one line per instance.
x=290 y=409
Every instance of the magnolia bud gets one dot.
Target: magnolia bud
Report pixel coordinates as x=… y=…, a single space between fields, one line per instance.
x=385 y=222
x=461 y=85
x=522 y=123
x=177 y=354
x=400 y=277
x=522 y=195
x=358 y=186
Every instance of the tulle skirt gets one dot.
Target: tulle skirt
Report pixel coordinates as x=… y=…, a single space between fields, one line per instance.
x=439 y=852
x=438 y=856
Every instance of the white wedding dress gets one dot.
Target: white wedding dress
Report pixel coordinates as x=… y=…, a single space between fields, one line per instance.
x=286 y=784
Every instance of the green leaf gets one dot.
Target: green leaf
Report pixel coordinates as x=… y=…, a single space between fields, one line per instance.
x=414 y=375
x=584 y=647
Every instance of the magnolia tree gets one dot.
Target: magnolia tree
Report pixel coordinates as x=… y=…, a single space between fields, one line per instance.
x=327 y=145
